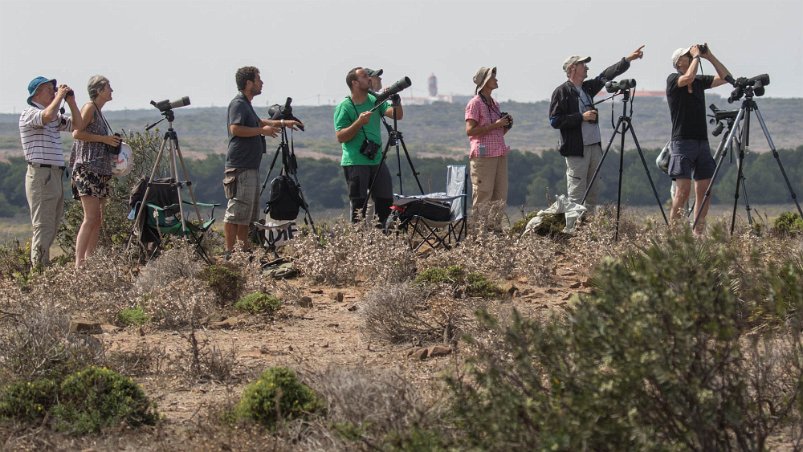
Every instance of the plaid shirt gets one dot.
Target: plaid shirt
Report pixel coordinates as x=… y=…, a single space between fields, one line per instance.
x=494 y=141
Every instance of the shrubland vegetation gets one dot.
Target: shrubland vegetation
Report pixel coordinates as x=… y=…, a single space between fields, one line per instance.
x=663 y=342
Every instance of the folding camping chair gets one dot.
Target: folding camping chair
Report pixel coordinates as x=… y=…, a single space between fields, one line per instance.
x=163 y=217
x=426 y=225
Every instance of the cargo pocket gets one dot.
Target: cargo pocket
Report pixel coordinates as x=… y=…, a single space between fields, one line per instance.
x=230 y=182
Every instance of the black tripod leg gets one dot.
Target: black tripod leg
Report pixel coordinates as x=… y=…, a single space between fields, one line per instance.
x=374 y=178
x=647 y=171
x=731 y=135
x=270 y=170
x=626 y=124
x=601 y=161
x=409 y=162
x=739 y=177
x=746 y=201
x=778 y=159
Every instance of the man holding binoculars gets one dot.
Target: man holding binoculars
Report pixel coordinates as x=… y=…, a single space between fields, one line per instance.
x=358 y=130
x=690 y=153
x=40 y=127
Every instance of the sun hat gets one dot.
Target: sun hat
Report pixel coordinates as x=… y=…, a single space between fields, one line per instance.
x=34 y=85
x=482 y=76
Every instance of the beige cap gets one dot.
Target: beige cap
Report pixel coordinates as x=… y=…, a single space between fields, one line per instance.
x=575 y=59
x=482 y=76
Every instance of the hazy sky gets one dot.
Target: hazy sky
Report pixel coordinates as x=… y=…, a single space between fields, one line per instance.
x=171 y=48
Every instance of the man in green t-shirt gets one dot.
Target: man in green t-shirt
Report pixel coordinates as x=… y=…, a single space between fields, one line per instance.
x=358 y=129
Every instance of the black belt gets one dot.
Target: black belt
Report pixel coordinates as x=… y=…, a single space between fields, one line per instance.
x=44 y=165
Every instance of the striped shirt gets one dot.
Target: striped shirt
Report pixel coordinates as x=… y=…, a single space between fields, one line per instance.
x=489 y=144
x=42 y=142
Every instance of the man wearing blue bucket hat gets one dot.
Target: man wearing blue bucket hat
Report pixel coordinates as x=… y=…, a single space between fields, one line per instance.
x=40 y=126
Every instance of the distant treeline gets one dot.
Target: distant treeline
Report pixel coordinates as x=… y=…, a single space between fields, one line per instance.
x=439 y=129
x=534 y=179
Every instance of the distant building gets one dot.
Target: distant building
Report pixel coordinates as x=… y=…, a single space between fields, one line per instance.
x=433 y=85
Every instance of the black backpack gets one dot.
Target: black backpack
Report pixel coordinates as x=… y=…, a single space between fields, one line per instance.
x=285 y=199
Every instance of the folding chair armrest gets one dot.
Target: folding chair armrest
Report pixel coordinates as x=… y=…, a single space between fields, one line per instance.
x=161 y=208
x=201 y=204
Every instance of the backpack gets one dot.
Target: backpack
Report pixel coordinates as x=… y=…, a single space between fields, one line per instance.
x=426 y=208
x=285 y=199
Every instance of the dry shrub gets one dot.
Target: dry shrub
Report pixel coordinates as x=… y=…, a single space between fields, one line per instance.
x=206 y=361
x=99 y=290
x=484 y=252
x=36 y=343
x=178 y=262
x=179 y=303
x=369 y=410
x=536 y=258
x=405 y=313
x=346 y=253
x=143 y=360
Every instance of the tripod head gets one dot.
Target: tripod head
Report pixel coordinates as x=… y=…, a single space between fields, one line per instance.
x=722 y=118
x=747 y=87
x=166 y=108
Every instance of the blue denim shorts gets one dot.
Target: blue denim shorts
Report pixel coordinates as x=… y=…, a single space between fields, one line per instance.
x=691 y=159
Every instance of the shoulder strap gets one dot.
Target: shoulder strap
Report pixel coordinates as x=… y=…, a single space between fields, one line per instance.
x=97 y=110
x=357 y=117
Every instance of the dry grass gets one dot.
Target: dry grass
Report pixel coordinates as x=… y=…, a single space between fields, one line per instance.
x=367 y=403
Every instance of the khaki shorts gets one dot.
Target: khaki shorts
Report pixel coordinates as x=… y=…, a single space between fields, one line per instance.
x=243 y=208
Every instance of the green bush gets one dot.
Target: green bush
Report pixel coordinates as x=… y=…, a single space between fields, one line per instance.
x=473 y=284
x=28 y=401
x=788 y=223
x=277 y=395
x=225 y=280
x=258 y=303
x=95 y=398
x=133 y=316
x=84 y=402
x=666 y=353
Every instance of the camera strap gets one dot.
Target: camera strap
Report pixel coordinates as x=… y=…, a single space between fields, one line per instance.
x=357 y=117
x=490 y=110
x=108 y=127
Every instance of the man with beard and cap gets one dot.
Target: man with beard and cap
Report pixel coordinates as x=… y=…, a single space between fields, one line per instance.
x=571 y=110
x=358 y=130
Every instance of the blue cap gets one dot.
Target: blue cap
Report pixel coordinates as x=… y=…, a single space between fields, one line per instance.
x=32 y=87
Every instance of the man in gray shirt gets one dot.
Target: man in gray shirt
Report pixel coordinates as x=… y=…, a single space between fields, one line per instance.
x=246 y=146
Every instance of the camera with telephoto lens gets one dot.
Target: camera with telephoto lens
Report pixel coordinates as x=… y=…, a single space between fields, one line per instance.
x=278 y=112
x=505 y=114
x=625 y=84
x=395 y=88
x=369 y=149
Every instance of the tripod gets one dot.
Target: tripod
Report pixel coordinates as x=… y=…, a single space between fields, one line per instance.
x=395 y=139
x=741 y=123
x=170 y=144
x=289 y=169
x=622 y=126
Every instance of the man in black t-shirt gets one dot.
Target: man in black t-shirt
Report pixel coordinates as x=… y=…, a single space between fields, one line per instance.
x=690 y=152
x=246 y=146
